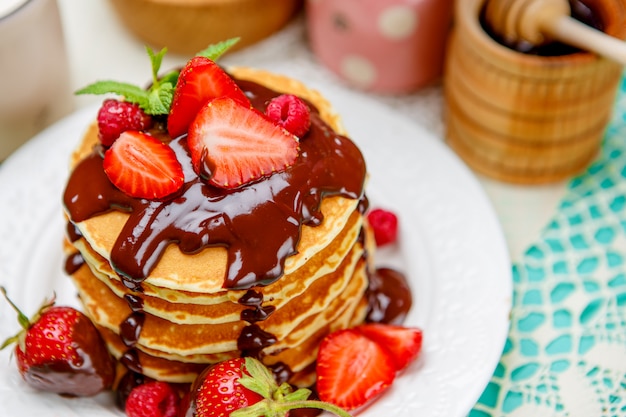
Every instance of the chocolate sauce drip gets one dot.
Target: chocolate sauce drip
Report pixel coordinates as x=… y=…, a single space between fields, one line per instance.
x=130 y=329
x=253 y=340
x=281 y=371
x=73 y=263
x=134 y=302
x=72 y=232
x=389 y=297
x=130 y=359
x=259 y=312
x=259 y=224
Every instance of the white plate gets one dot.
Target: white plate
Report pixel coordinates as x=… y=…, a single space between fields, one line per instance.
x=451 y=248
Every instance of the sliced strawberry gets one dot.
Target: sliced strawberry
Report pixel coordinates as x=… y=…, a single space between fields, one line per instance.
x=404 y=343
x=231 y=144
x=142 y=166
x=199 y=81
x=352 y=369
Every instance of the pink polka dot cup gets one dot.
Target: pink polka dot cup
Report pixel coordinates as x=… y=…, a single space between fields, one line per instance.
x=386 y=46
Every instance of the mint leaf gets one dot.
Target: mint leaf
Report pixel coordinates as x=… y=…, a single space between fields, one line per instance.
x=156 y=61
x=131 y=92
x=213 y=52
x=160 y=99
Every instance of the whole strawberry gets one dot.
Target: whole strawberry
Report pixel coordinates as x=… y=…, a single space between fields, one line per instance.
x=246 y=388
x=60 y=350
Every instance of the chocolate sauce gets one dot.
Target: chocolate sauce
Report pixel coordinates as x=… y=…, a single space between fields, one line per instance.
x=130 y=329
x=134 y=302
x=130 y=359
x=259 y=224
x=73 y=263
x=281 y=371
x=72 y=232
x=258 y=312
x=253 y=340
x=389 y=297
x=580 y=11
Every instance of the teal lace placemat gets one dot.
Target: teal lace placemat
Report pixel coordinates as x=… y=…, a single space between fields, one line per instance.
x=566 y=350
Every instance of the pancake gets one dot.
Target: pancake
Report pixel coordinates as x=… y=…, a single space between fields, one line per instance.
x=293 y=265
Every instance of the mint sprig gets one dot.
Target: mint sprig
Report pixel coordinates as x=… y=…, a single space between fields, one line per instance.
x=157 y=99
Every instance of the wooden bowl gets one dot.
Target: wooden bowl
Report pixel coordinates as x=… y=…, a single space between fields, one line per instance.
x=526 y=118
x=188 y=26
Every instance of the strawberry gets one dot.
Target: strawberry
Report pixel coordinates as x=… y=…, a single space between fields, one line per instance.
x=231 y=144
x=404 y=343
x=385 y=226
x=142 y=166
x=115 y=117
x=60 y=350
x=290 y=112
x=352 y=369
x=200 y=80
x=246 y=388
x=152 y=399
x=218 y=392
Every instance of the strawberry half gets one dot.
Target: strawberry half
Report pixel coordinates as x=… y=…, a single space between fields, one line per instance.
x=60 y=350
x=404 y=343
x=231 y=144
x=142 y=166
x=352 y=369
x=199 y=81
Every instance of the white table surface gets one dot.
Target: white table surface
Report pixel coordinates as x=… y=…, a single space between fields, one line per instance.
x=99 y=47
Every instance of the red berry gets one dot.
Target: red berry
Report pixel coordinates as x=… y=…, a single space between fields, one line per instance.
x=200 y=81
x=385 y=226
x=352 y=369
x=61 y=351
x=232 y=145
x=404 y=343
x=152 y=399
x=217 y=391
x=142 y=166
x=115 y=117
x=291 y=113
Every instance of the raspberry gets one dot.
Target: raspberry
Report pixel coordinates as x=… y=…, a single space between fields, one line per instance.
x=116 y=117
x=153 y=399
x=291 y=113
x=385 y=226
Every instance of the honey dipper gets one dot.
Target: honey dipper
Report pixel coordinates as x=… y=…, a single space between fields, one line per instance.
x=541 y=21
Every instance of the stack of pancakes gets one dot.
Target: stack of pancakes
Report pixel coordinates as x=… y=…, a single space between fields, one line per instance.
x=184 y=318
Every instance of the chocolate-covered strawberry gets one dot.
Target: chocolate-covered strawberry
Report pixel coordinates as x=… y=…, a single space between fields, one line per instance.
x=60 y=350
